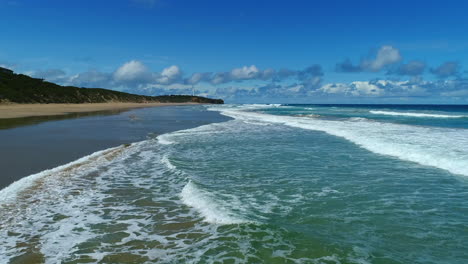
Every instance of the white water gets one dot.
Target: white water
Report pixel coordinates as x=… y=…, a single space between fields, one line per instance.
x=165 y=160
x=444 y=148
x=150 y=168
x=206 y=204
x=73 y=192
x=34 y=201
x=414 y=114
x=9 y=193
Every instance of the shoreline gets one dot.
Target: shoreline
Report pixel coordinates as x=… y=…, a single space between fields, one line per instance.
x=11 y=111
x=29 y=149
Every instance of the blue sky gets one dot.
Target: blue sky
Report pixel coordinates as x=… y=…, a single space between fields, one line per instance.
x=246 y=51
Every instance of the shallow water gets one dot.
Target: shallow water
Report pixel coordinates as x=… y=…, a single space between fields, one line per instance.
x=277 y=184
x=58 y=140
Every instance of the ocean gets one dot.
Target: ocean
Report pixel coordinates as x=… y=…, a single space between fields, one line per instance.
x=274 y=184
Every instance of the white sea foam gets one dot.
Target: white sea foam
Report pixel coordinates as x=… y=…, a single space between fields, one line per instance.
x=164 y=139
x=326 y=191
x=274 y=105
x=411 y=114
x=80 y=194
x=165 y=160
x=57 y=244
x=254 y=106
x=358 y=119
x=87 y=194
x=444 y=148
x=34 y=201
x=308 y=115
x=9 y=193
x=241 y=107
x=206 y=204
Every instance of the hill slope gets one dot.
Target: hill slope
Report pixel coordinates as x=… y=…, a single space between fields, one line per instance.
x=19 y=88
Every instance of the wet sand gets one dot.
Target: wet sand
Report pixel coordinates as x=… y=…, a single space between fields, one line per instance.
x=30 y=110
x=28 y=149
x=7 y=123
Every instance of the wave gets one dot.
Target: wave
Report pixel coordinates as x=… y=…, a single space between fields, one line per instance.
x=410 y=114
x=308 y=115
x=358 y=119
x=10 y=193
x=207 y=205
x=163 y=139
x=443 y=148
x=165 y=160
x=72 y=192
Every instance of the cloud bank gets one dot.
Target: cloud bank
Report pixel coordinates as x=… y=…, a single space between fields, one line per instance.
x=250 y=81
x=134 y=74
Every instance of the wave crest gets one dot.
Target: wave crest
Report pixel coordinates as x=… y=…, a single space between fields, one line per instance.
x=206 y=204
x=410 y=114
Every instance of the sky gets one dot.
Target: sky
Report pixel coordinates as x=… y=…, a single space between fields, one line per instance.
x=246 y=51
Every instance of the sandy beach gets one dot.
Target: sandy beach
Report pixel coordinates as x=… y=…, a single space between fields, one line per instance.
x=29 y=110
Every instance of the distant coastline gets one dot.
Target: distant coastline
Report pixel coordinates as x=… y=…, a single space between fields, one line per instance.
x=24 y=96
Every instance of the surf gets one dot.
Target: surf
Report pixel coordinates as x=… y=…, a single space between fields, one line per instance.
x=443 y=148
x=411 y=114
x=208 y=206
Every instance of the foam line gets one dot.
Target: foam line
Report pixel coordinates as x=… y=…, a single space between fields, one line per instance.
x=207 y=205
x=376 y=112
x=165 y=160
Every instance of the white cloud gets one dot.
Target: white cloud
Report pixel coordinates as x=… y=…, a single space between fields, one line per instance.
x=245 y=73
x=220 y=77
x=195 y=78
x=267 y=74
x=132 y=71
x=171 y=72
x=335 y=88
x=172 y=86
x=386 y=55
x=199 y=77
x=295 y=88
x=91 y=79
x=170 y=75
x=313 y=82
x=357 y=88
x=366 y=88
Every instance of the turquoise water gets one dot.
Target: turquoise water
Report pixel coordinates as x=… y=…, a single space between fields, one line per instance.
x=276 y=184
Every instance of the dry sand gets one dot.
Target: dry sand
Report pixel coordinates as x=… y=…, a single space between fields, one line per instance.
x=27 y=110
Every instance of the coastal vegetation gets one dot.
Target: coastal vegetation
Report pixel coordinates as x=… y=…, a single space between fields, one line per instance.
x=20 y=88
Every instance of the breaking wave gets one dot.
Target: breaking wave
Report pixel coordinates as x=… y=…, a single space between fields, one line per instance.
x=410 y=114
x=208 y=206
x=443 y=148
